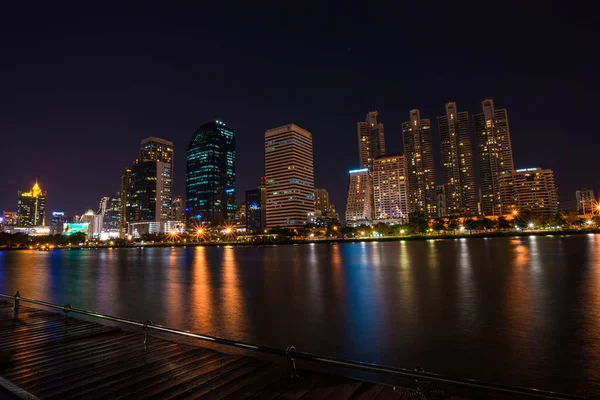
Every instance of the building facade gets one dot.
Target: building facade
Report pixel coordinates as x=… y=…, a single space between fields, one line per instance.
x=145 y=187
x=125 y=203
x=112 y=214
x=457 y=163
x=31 y=207
x=418 y=148
x=390 y=188
x=290 y=176
x=494 y=154
x=161 y=150
x=371 y=139
x=9 y=218
x=358 y=205
x=586 y=201
x=210 y=180
x=529 y=189
x=59 y=219
x=178 y=210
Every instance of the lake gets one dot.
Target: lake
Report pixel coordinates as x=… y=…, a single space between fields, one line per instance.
x=520 y=311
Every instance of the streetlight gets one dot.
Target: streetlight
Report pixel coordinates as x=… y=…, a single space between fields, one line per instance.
x=531 y=225
x=462 y=228
x=402 y=231
x=515 y=213
x=589 y=222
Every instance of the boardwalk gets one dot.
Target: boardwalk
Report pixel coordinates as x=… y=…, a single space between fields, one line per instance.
x=53 y=360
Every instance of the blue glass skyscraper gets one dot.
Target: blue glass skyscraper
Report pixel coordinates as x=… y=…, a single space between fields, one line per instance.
x=210 y=180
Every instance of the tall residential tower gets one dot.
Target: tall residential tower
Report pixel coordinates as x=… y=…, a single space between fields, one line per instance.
x=418 y=148
x=371 y=141
x=457 y=162
x=494 y=154
x=290 y=176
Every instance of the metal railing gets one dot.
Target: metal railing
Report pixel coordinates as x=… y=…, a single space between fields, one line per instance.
x=292 y=354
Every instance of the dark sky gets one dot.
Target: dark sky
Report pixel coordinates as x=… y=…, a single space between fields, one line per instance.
x=80 y=87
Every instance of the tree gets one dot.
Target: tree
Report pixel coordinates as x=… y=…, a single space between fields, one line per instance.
x=453 y=224
x=487 y=223
x=439 y=225
x=502 y=223
x=470 y=224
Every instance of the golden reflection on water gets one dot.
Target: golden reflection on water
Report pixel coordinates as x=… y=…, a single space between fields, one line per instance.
x=519 y=311
x=231 y=293
x=201 y=292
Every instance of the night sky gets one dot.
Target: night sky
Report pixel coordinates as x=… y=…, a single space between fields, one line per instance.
x=80 y=87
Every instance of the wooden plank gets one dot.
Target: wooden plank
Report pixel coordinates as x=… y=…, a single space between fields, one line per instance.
x=324 y=388
x=298 y=387
x=259 y=382
x=225 y=382
x=345 y=390
x=114 y=367
x=367 y=391
x=201 y=373
x=152 y=374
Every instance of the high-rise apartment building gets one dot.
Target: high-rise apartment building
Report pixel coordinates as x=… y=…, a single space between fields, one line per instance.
x=322 y=202
x=144 y=203
x=586 y=201
x=112 y=214
x=290 y=176
x=494 y=154
x=529 y=189
x=156 y=149
x=390 y=188
x=161 y=150
x=210 y=181
x=31 y=207
x=178 y=210
x=441 y=201
x=358 y=206
x=256 y=207
x=125 y=217
x=9 y=218
x=418 y=148
x=59 y=219
x=371 y=140
x=457 y=162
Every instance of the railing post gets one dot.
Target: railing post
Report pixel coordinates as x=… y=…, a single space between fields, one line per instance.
x=16 y=305
x=66 y=309
x=290 y=352
x=146 y=323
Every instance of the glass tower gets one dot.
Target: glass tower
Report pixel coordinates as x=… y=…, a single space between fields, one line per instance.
x=31 y=207
x=210 y=180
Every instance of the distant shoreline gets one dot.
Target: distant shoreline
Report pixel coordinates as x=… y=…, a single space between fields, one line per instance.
x=474 y=235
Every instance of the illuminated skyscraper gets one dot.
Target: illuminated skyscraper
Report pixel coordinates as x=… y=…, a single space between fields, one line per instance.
x=371 y=140
x=457 y=162
x=586 y=202
x=529 y=189
x=59 y=219
x=390 y=188
x=153 y=148
x=161 y=150
x=210 y=182
x=290 y=176
x=125 y=216
x=494 y=154
x=112 y=214
x=31 y=207
x=178 y=209
x=418 y=148
x=256 y=207
x=358 y=206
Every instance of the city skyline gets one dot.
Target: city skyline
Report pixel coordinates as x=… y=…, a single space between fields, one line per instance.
x=120 y=79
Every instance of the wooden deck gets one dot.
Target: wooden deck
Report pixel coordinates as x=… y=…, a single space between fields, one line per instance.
x=53 y=360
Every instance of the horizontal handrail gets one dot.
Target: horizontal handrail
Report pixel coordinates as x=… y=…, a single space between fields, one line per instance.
x=292 y=354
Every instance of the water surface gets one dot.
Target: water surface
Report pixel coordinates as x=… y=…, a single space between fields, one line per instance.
x=521 y=311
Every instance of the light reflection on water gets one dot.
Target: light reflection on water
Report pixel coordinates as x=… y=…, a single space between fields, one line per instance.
x=522 y=311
